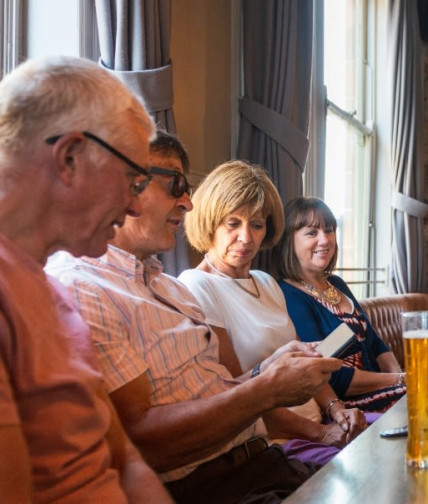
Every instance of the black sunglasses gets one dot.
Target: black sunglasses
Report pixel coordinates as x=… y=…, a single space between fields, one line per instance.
x=136 y=187
x=179 y=184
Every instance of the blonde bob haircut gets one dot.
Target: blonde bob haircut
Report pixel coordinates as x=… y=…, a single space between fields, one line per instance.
x=227 y=188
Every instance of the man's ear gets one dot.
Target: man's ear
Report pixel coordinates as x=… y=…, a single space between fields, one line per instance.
x=65 y=152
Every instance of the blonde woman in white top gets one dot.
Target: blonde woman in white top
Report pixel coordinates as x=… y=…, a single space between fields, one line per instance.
x=236 y=212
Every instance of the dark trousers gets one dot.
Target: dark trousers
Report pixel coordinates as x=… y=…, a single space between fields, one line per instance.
x=266 y=478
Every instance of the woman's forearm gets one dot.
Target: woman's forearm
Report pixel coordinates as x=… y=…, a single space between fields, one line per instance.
x=325 y=397
x=366 y=381
x=388 y=363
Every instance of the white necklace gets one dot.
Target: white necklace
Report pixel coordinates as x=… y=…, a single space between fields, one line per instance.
x=220 y=273
x=330 y=293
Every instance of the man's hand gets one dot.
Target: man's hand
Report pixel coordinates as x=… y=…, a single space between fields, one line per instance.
x=293 y=378
x=292 y=346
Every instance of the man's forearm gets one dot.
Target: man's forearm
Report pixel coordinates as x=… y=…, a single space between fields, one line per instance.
x=174 y=435
x=170 y=436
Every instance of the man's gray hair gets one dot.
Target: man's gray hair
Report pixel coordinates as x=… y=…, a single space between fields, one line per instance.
x=56 y=95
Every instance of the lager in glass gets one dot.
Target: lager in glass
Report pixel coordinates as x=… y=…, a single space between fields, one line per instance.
x=415 y=335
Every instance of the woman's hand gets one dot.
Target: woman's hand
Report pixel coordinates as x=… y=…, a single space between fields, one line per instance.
x=348 y=424
x=332 y=434
x=352 y=421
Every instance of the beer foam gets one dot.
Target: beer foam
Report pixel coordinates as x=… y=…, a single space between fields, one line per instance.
x=416 y=334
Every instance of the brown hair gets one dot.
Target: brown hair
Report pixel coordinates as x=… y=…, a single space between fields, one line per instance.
x=167 y=145
x=301 y=212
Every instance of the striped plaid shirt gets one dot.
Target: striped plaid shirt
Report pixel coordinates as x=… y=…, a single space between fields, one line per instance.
x=143 y=320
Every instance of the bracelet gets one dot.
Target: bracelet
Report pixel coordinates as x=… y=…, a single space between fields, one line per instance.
x=401 y=378
x=330 y=404
x=255 y=371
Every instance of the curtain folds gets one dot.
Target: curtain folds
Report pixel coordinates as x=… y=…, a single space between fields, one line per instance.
x=408 y=208
x=277 y=58
x=134 y=37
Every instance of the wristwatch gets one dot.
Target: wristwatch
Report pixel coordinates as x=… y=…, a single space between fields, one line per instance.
x=256 y=370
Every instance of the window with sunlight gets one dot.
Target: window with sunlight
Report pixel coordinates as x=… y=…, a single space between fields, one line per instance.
x=349 y=136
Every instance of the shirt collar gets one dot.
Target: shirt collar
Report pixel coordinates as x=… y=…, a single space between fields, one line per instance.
x=120 y=260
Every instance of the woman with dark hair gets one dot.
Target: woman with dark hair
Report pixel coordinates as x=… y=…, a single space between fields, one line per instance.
x=318 y=302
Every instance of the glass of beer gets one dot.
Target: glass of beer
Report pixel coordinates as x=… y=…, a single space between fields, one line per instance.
x=415 y=337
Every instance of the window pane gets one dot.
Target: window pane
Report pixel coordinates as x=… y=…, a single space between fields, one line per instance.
x=341 y=54
x=347 y=149
x=347 y=194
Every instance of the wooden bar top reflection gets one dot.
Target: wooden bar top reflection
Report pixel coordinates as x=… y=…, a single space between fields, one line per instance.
x=369 y=470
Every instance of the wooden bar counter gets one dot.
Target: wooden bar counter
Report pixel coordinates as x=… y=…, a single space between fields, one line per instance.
x=369 y=470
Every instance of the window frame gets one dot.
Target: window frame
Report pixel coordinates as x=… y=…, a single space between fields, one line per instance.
x=314 y=175
x=12 y=41
x=88 y=31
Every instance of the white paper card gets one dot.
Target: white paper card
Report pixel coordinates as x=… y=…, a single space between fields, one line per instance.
x=336 y=342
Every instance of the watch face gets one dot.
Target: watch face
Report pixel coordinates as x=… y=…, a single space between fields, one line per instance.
x=255 y=371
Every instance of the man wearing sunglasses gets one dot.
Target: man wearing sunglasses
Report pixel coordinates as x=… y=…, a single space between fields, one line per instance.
x=192 y=421
x=63 y=186
x=167 y=199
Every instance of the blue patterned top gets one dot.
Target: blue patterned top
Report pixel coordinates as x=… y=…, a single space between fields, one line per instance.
x=315 y=319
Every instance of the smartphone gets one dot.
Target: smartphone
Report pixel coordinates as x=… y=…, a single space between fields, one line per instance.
x=393 y=433
x=337 y=342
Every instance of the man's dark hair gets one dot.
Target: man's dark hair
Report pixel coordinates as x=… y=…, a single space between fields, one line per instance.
x=168 y=144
